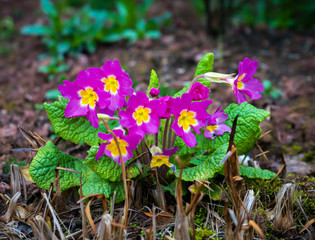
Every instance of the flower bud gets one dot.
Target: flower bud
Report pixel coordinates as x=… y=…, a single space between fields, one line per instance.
x=154 y=92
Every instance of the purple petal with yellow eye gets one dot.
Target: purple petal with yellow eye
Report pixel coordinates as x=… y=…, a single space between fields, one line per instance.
x=244 y=83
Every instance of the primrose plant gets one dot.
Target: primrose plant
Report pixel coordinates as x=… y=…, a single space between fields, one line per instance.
x=135 y=133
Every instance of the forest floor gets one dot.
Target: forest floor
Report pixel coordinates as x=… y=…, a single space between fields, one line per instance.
x=284 y=57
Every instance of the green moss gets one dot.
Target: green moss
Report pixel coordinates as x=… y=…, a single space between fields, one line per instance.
x=297 y=148
x=308 y=157
x=204 y=233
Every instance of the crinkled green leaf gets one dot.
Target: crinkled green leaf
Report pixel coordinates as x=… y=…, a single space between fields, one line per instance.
x=154 y=81
x=106 y=167
x=205 y=65
x=42 y=171
x=42 y=168
x=73 y=129
x=248 y=129
x=208 y=166
x=95 y=184
x=251 y=172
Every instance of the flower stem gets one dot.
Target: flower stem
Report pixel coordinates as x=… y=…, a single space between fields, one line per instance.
x=123 y=169
x=166 y=126
x=194 y=80
x=169 y=142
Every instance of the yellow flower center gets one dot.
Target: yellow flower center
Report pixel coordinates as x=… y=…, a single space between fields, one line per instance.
x=211 y=128
x=159 y=160
x=141 y=115
x=88 y=97
x=112 y=147
x=111 y=84
x=186 y=119
x=239 y=83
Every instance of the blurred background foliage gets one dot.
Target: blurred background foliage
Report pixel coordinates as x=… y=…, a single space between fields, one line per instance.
x=276 y=14
x=77 y=26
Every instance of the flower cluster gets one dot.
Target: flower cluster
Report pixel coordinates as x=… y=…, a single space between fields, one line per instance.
x=108 y=90
x=97 y=89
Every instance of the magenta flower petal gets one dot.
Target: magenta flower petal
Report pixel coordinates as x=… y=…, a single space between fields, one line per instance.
x=92 y=117
x=106 y=111
x=222 y=128
x=169 y=102
x=190 y=139
x=75 y=109
x=104 y=136
x=100 y=151
x=169 y=152
x=126 y=119
x=83 y=80
x=69 y=90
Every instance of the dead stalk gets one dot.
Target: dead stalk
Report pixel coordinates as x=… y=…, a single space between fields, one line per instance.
x=56 y=222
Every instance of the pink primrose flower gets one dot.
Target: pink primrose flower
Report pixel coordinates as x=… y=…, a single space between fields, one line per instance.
x=142 y=115
x=84 y=97
x=189 y=115
x=126 y=145
x=199 y=92
x=244 y=83
x=215 y=124
x=114 y=80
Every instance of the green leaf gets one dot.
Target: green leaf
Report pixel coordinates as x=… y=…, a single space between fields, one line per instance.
x=205 y=65
x=130 y=34
x=49 y=8
x=113 y=37
x=154 y=34
x=73 y=129
x=251 y=172
x=106 y=167
x=95 y=184
x=36 y=30
x=42 y=168
x=154 y=81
